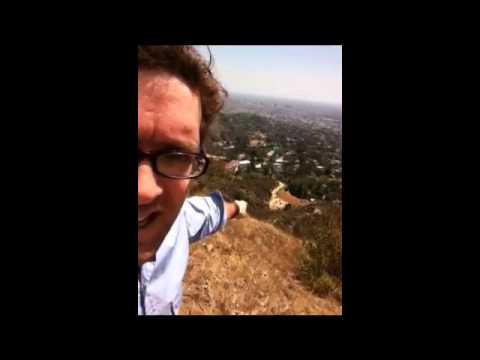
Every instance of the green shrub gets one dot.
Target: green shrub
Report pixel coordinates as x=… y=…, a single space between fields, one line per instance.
x=324 y=285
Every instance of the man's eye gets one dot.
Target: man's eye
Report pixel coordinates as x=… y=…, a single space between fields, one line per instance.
x=174 y=164
x=174 y=160
x=179 y=159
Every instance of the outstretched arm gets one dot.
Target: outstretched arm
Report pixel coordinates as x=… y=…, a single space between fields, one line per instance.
x=232 y=209
x=237 y=208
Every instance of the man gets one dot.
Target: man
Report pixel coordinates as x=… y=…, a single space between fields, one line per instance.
x=178 y=98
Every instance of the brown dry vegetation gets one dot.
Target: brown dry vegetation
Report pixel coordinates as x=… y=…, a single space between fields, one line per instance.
x=249 y=269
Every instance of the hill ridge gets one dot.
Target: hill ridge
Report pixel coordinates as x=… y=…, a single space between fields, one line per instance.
x=249 y=269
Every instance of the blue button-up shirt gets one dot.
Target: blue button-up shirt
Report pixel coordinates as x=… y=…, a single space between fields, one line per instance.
x=160 y=281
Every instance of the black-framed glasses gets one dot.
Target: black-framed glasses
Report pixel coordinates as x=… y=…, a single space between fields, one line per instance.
x=176 y=164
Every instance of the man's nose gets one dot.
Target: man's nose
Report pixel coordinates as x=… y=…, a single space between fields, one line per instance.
x=148 y=188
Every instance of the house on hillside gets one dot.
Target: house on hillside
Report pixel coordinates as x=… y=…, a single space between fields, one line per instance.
x=278 y=167
x=320 y=169
x=257 y=139
x=279 y=163
x=244 y=164
x=216 y=157
x=232 y=166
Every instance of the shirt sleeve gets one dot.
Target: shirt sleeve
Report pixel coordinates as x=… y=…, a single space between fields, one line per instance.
x=204 y=215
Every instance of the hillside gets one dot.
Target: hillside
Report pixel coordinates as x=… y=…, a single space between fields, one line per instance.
x=249 y=269
x=283 y=259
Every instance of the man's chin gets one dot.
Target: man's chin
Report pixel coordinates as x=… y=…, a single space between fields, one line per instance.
x=150 y=237
x=148 y=243
x=150 y=234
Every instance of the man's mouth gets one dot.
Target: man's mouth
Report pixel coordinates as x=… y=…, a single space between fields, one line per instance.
x=144 y=222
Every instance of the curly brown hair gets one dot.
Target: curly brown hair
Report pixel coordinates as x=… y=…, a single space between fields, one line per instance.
x=187 y=64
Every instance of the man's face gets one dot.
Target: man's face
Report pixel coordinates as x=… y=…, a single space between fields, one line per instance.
x=169 y=115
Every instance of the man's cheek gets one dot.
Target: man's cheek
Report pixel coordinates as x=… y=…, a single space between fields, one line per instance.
x=178 y=192
x=183 y=188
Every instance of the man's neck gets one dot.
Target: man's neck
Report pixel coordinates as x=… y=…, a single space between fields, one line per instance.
x=147 y=253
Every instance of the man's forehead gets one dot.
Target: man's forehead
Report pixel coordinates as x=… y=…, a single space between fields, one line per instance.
x=168 y=113
x=157 y=84
x=151 y=137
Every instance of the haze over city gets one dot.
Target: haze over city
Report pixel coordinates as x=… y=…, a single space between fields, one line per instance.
x=308 y=73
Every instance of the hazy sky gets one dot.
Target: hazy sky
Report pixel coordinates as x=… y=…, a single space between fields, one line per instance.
x=311 y=73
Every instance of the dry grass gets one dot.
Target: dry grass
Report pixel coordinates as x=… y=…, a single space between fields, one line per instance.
x=249 y=269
